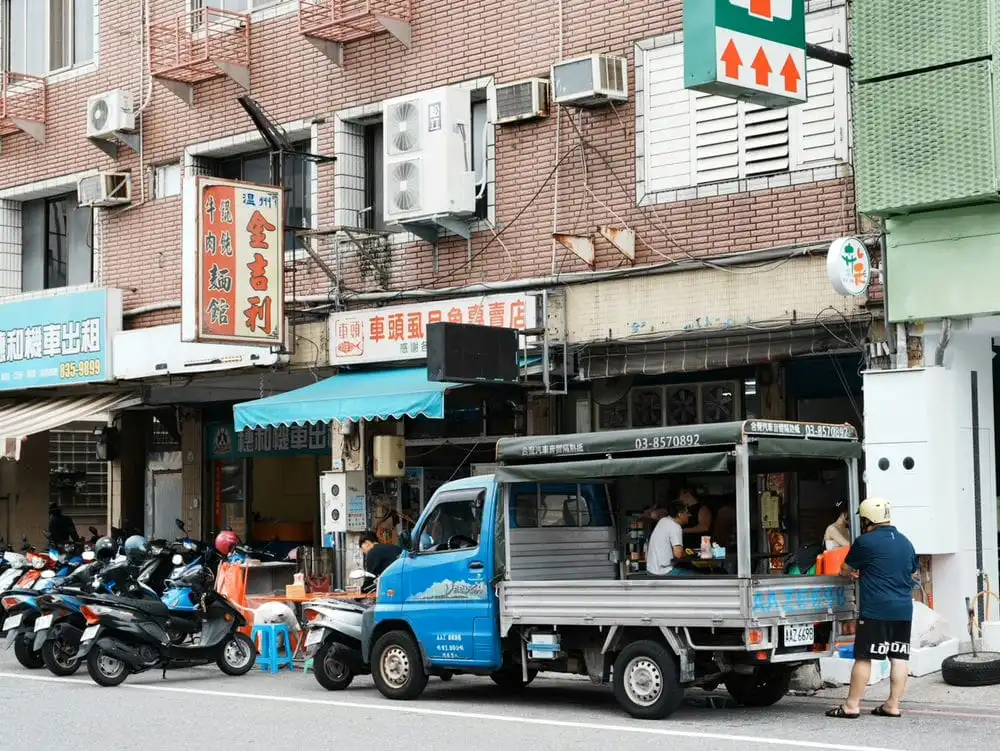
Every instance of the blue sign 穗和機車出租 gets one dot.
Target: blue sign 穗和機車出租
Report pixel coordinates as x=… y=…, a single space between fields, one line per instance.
x=225 y=443
x=58 y=340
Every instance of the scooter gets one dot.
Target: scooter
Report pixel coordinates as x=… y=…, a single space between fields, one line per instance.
x=333 y=638
x=190 y=625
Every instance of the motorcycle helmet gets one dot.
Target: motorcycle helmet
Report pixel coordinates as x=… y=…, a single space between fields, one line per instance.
x=876 y=511
x=226 y=541
x=136 y=549
x=104 y=549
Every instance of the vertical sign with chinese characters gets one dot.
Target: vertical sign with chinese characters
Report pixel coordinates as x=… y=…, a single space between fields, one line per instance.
x=59 y=340
x=399 y=332
x=236 y=249
x=751 y=50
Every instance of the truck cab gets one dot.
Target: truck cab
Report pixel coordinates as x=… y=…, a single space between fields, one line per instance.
x=536 y=568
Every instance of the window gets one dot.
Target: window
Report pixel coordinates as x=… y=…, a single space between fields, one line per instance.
x=565 y=508
x=256 y=168
x=66 y=26
x=456 y=515
x=372 y=216
x=167 y=180
x=57 y=243
x=77 y=478
x=237 y=6
x=690 y=139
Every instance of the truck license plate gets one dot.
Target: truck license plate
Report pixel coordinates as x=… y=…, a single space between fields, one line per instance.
x=800 y=635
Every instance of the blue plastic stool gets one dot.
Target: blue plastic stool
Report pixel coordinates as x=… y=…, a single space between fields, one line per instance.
x=270 y=658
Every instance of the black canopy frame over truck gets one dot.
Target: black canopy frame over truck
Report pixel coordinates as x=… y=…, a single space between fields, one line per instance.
x=727 y=447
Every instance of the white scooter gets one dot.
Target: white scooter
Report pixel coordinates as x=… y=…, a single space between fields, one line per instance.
x=333 y=638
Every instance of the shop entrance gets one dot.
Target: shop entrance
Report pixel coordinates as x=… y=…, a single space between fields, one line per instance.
x=164 y=503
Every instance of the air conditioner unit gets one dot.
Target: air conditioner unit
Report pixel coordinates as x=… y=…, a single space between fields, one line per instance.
x=427 y=156
x=105 y=189
x=520 y=101
x=110 y=112
x=590 y=81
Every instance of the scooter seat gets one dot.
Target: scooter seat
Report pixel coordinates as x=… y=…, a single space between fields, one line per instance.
x=153 y=607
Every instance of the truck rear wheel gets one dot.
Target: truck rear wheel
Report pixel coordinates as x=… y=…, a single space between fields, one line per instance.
x=397 y=667
x=764 y=687
x=645 y=681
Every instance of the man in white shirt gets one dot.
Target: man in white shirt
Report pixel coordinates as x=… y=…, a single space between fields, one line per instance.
x=666 y=543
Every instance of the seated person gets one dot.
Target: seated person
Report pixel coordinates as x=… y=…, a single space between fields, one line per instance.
x=666 y=543
x=838 y=534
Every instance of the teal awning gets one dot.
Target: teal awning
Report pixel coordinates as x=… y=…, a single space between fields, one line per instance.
x=367 y=395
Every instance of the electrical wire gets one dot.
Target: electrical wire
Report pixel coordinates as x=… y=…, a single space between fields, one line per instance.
x=496 y=236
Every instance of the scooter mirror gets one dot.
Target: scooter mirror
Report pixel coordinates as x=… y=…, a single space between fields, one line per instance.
x=48 y=574
x=53 y=555
x=358 y=574
x=177 y=560
x=180 y=524
x=88 y=555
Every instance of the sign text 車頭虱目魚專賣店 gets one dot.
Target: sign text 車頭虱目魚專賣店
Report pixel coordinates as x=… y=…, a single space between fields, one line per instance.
x=399 y=332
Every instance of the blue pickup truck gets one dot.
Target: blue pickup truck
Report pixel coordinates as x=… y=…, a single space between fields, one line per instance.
x=522 y=571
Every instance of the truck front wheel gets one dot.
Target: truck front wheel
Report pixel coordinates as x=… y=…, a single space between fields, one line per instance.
x=397 y=668
x=764 y=687
x=645 y=681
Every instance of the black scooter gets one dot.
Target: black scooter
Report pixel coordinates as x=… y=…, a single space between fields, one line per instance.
x=130 y=636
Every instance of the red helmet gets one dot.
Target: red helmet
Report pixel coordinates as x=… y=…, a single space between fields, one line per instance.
x=226 y=541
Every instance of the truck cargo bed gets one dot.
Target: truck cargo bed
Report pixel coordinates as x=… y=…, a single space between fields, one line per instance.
x=721 y=602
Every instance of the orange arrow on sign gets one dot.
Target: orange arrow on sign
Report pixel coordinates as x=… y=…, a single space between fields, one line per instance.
x=731 y=57
x=761 y=8
x=790 y=72
x=763 y=68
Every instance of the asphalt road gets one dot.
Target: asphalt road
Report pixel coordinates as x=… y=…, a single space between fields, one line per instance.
x=292 y=711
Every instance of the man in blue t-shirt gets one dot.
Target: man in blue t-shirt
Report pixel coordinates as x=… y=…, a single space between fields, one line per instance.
x=884 y=562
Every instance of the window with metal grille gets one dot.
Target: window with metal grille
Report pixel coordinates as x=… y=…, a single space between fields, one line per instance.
x=78 y=480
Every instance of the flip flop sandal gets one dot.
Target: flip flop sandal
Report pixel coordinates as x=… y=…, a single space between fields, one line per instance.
x=881 y=711
x=842 y=714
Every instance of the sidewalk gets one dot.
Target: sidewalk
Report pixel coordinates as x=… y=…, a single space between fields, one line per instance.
x=926 y=691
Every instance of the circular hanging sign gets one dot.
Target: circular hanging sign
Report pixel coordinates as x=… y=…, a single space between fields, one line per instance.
x=849 y=266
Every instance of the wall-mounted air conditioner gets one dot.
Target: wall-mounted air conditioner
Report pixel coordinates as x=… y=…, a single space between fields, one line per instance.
x=427 y=164
x=519 y=101
x=591 y=81
x=105 y=189
x=109 y=113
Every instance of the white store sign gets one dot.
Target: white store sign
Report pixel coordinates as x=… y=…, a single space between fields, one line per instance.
x=399 y=332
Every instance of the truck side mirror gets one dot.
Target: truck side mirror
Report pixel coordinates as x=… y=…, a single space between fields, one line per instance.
x=405 y=540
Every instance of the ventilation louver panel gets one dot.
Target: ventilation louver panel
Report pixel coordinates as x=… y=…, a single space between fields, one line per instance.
x=406 y=186
x=403 y=128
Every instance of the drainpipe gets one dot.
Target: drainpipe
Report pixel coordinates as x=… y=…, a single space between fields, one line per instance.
x=902 y=353
x=942 y=342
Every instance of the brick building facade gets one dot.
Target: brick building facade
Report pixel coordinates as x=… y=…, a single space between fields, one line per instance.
x=730 y=204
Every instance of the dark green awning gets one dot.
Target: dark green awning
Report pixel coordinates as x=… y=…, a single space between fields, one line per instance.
x=599 y=469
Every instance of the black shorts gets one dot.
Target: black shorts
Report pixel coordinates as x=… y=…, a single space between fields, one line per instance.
x=882 y=640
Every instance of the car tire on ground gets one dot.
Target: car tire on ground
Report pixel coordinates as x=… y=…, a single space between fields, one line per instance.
x=645 y=681
x=764 y=687
x=56 y=660
x=24 y=653
x=332 y=666
x=511 y=679
x=237 y=655
x=397 y=666
x=968 y=670
x=105 y=670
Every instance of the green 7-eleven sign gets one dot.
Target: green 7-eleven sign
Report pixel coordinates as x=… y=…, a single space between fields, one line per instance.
x=752 y=50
